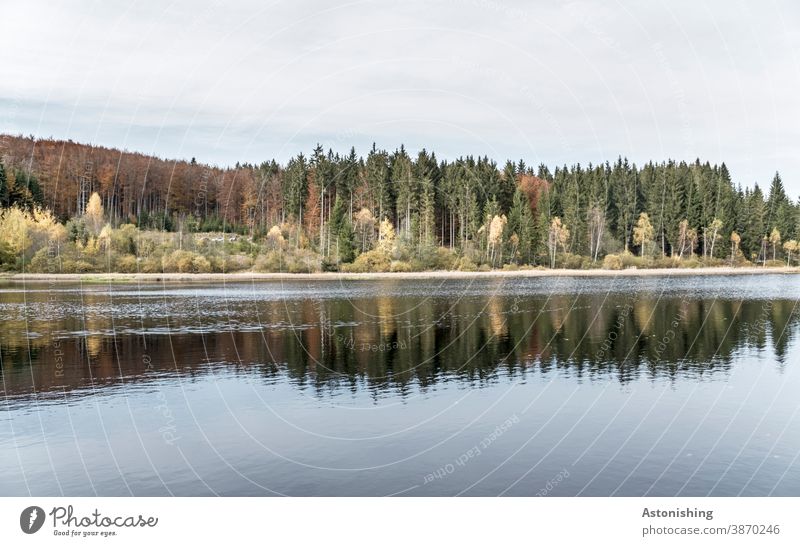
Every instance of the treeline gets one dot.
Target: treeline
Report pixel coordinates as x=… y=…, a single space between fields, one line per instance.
x=391 y=208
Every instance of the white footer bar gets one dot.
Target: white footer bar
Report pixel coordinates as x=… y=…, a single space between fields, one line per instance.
x=380 y=521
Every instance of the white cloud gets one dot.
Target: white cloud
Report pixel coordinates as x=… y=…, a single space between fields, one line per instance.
x=554 y=83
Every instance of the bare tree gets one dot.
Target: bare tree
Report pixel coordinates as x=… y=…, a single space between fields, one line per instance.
x=597 y=224
x=775 y=240
x=789 y=247
x=683 y=235
x=713 y=229
x=735 y=240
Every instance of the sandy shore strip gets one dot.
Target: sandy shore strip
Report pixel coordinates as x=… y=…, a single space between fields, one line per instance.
x=255 y=277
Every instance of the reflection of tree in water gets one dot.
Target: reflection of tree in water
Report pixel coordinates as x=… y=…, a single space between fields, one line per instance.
x=394 y=343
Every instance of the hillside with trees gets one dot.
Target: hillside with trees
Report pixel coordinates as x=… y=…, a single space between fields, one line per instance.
x=69 y=207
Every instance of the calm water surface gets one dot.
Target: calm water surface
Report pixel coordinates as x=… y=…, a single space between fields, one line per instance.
x=612 y=386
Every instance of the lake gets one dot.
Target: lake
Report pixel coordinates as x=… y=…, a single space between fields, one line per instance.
x=509 y=386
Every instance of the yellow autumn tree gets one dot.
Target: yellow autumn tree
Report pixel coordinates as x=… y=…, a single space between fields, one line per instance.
x=735 y=240
x=643 y=232
x=365 y=228
x=496 y=228
x=775 y=240
x=790 y=247
x=104 y=239
x=386 y=237
x=275 y=239
x=26 y=231
x=94 y=214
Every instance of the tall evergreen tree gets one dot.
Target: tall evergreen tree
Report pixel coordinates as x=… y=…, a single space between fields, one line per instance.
x=521 y=225
x=403 y=183
x=4 y=202
x=342 y=233
x=295 y=186
x=755 y=226
x=779 y=209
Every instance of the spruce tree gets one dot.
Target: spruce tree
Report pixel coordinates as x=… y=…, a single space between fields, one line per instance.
x=341 y=230
x=521 y=224
x=402 y=177
x=755 y=226
x=3 y=186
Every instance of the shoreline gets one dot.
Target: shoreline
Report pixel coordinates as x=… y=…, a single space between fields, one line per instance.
x=420 y=275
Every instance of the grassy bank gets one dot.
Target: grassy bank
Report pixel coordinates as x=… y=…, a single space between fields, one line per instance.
x=336 y=276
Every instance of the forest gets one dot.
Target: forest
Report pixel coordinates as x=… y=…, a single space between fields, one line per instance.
x=70 y=207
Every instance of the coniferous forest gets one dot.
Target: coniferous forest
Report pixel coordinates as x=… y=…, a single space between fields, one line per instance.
x=69 y=207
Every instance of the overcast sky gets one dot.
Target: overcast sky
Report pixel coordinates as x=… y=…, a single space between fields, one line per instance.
x=555 y=82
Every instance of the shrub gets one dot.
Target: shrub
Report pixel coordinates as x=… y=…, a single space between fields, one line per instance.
x=123 y=239
x=400 y=267
x=433 y=257
x=68 y=265
x=25 y=231
x=146 y=246
x=330 y=265
x=613 y=262
x=237 y=262
x=179 y=261
x=715 y=262
x=228 y=263
x=666 y=262
x=569 y=261
x=304 y=261
x=465 y=263
x=67 y=259
x=8 y=259
x=369 y=262
x=417 y=265
x=289 y=261
x=212 y=223
x=125 y=264
x=268 y=263
x=738 y=260
x=151 y=264
x=42 y=262
x=690 y=263
x=635 y=262
x=200 y=264
x=76 y=230
x=446 y=258
x=185 y=261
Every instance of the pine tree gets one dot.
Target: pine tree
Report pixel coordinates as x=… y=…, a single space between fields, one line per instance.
x=295 y=186
x=378 y=186
x=402 y=177
x=346 y=242
x=427 y=213
x=652 y=197
x=520 y=223
x=4 y=202
x=755 y=225
x=573 y=207
x=27 y=189
x=342 y=232
x=625 y=197
x=779 y=210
